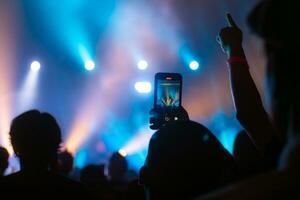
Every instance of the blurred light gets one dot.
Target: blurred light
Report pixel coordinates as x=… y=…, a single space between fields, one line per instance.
x=188 y=57
x=28 y=91
x=100 y=146
x=227 y=138
x=143 y=87
x=89 y=65
x=142 y=64
x=122 y=152
x=35 y=66
x=8 y=57
x=194 y=65
x=92 y=109
x=80 y=159
x=139 y=142
x=14 y=165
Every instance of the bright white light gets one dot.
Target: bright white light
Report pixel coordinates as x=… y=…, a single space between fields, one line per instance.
x=142 y=64
x=29 y=87
x=139 y=142
x=194 y=65
x=122 y=152
x=143 y=87
x=89 y=65
x=35 y=66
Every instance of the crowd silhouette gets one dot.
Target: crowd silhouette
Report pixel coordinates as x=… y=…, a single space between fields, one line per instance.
x=185 y=160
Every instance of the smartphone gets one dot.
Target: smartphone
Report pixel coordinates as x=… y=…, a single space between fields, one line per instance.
x=167 y=90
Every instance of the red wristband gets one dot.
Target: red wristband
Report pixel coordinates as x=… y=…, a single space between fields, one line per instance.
x=237 y=60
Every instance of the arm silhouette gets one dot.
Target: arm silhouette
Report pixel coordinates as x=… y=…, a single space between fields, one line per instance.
x=247 y=101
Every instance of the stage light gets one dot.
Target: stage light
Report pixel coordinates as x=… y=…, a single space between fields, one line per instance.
x=80 y=159
x=142 y=64
x=139 y=141
x=143 y=87
x=8 y=76
x=89 y=65
x=122 y=152
x=35 y=66
x=28 y=91
x=194 y=65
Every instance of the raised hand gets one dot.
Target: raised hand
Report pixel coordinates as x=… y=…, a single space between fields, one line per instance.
x=159 y=117
x=230 y=38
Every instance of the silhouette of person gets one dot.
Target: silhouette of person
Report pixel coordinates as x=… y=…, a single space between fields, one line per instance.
x=249 y=107
x=279 y=33
x=249 y=160
x=4 y=156
x=65 y=163
x=35 y=138
x=95 y=180
x=276 y=22
x=117 y=168
x=184 y=160
x=93 y=175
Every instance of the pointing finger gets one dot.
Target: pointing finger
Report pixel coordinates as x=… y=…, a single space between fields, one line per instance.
x=230 y=20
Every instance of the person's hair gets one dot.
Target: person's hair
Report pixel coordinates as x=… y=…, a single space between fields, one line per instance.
x=185 y=159
x=35 y=136
x=4 y=156
x=275 y=20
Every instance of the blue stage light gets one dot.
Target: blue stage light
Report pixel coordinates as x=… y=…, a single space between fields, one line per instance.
x=194 y=65
x=80 y=159
x=143 y=87
x=89 y=65
x=35 y=66
x=142 y=64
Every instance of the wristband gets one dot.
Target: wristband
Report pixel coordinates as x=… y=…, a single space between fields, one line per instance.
x=237 y=60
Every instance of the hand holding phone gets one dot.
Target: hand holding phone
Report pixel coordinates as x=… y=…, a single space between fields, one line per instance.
x=167 y=100
x=159 y=117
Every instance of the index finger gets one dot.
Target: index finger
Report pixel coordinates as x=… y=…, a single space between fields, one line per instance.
x=230 y=20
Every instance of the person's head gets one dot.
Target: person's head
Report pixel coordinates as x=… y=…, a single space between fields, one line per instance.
x=4 y=156
x=117 y=167
x=185 y=160
x=93 y=175
x=276 y=22
x=35 y=138
x=65 y=162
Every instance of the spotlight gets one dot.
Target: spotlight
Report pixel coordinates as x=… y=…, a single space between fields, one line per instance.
x=89 y=65
x=194 y=65
x=142 y=64
x=139 y=141
x=122 y=152
x=143 y=87
x=35 y=66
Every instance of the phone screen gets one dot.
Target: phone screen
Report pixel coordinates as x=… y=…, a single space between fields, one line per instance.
x=168 y=93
